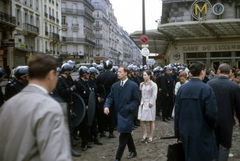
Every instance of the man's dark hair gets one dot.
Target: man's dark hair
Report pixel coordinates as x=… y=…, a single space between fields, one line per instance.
x=224 y=68
x=196 y=68
x=41 y=65
x=212 y=70
x=125 y=69
x=233 y=70
x=207 y=73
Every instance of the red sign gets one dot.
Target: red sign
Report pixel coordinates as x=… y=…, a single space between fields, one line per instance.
x=144 y=39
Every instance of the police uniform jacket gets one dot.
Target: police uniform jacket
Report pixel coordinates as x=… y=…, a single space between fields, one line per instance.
x=64 y=88
x=167 y=84
x=228 y=99
x=12 y=88
x=107 y=79
x=125 y=100
x=195 y=119
x=83 y=89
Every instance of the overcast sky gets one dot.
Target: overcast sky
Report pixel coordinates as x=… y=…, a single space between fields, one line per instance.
x=129 y=13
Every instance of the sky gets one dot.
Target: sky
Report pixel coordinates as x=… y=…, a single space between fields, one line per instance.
x=129 y=13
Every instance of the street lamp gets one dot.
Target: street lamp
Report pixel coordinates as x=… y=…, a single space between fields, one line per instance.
x=144 y=29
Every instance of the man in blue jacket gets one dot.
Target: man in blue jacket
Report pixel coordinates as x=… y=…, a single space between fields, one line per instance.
x=196 y=117
x=125 y=98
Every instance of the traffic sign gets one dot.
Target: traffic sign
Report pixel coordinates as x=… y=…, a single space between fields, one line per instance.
x=145 y=52
x=145 y=45
x=144 y=39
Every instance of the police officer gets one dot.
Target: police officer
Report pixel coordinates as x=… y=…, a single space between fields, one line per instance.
x=107 y=79
x=18 y=82
x=100 y=68
x=130 y=67
x=64 y=89
x=167 y=92
x=93 y=86
x=2 y=98
x=84 y=90
x=159 y=96
x=94 y=65
x=114 y=69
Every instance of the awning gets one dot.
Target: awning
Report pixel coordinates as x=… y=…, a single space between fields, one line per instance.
x=201 y=29
x=157 y=42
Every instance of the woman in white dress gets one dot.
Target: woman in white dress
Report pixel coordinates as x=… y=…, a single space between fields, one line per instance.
x=147 y=108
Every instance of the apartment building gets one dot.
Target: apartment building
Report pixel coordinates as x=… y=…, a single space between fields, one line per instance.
x=51 y=26
x=28 y=33
x=7 y=25
x=77 y=31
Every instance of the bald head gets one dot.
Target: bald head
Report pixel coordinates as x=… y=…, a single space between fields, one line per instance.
x=224 y=69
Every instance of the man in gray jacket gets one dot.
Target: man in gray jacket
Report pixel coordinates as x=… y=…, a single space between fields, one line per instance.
x=32 y=123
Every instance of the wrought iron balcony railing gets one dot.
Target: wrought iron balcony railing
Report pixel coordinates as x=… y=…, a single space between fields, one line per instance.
x=31 y=28
x=54 y=36
x=4 y=17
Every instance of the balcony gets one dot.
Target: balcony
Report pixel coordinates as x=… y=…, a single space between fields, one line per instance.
x=31 y=28
x=45 y=14
x=54 y=36
x=97 y=26
x=99 y=46
x=8 y=19
x=80 y=40
x=78 y=12
x=75 y=53
x=98 y=36
x=75 y=25
x=64 y=53
x=63 y=38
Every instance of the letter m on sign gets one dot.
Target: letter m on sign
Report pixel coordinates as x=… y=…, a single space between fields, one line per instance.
x=200 y=9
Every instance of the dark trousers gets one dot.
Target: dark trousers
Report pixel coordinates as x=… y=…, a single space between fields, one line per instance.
x=159 y=102
x=111 y=121
x=167 y=105
x=84 y=130
x=94 y=129
x=125 y=138
x=105 y=120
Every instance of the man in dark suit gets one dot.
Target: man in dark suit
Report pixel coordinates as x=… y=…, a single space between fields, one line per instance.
x=196 y=117
x=227 y=94
x=125 y=98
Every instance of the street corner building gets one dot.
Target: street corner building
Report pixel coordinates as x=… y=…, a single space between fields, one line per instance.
x=196 y=30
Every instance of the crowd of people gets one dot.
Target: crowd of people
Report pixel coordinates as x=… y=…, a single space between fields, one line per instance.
x=201 y=104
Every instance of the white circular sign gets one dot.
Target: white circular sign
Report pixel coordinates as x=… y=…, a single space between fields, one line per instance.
x=145 y=52
x=218 y=9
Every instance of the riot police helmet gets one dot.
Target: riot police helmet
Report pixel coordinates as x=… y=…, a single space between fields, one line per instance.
x=130 y=67
x=59 y=70
x=174 y=69
x=100 y=68
x=162 y=70
x=2 y=73
x=83 y=70
x=93 y=71
x=66 y=68
x=167 y=68
x=94 y=65
x=107 y=64
x=135 y=68
x=21 y=72
x=114 y=69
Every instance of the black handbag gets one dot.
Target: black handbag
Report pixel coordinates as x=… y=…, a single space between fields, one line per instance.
x=175 y=152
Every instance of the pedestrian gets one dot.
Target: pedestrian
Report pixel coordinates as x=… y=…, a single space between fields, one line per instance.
x=186 y=70
x=183 y=80
x=32 y=123
x=213 y=75
x=2 y=97
x=227 y=94
x=232 y=76
x=147 y=108
x=196 y=117
x=124 y=98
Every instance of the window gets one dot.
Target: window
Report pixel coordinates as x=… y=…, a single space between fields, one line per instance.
x=64 y=48
x=97 y=23
x=97 y=42
x=53 y=29
x=50 y=27
x=46 y=47
x=49 y=11
x=57 y=15
x=53 y=12
x=74 y=20
x=46 y=27
x=64 y=33
x=37 y=22
x=75 y=34
x=237 y=11
x=74 y=6
x=45 y=8
x=63 y=5
x=74 y=48
x=37 y=44
x=97 y=14
x=57 y=31
x=63 y=19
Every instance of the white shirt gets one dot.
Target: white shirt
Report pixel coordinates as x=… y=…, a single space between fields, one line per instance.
x=123 y=82
x=40 y=87
x=178 y=85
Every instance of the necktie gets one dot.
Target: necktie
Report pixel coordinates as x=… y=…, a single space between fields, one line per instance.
x=122 y=84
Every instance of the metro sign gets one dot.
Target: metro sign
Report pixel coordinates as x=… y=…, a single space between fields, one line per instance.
x=201 y=9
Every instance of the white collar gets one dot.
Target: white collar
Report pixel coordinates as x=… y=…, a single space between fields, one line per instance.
x=40 y=87
x=123 y=82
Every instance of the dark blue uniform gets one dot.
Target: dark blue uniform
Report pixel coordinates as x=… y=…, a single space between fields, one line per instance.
x=107 y=79
x=12 y=88
x=167 y=88
x=159 y=95
x=84 y=127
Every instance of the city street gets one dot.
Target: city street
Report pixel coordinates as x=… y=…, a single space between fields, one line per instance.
x=155 y=151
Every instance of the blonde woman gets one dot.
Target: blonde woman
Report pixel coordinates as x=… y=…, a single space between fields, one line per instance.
x=147 y=108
